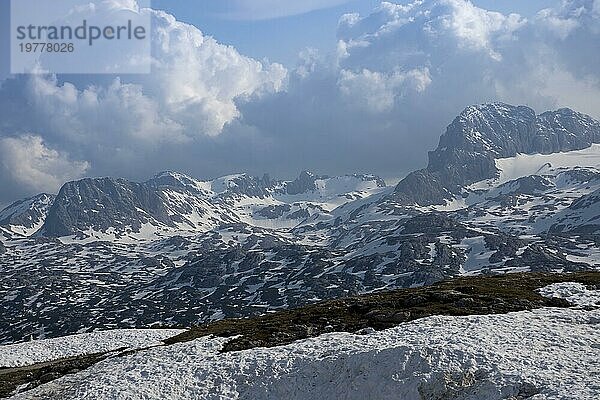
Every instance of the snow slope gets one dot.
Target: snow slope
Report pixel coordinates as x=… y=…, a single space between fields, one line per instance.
x=574 y=293
x=25 y=217
x=37 y=351
x=541 y=164
x=542 y=354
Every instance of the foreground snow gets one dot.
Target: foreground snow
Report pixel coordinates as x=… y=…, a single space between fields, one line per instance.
x=542 y=354
x=37 y=351
x=574 y=293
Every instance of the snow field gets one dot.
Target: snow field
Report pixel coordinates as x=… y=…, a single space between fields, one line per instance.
x=548 y=353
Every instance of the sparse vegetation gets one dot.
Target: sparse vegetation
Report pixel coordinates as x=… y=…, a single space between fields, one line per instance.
x=462 y=296
x=35 y=375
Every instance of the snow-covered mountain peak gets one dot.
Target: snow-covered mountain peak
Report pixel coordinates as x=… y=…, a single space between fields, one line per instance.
x=242 y=185
x=176 y=180
x=482 y=134
x=488 y=112
x=171 y=178
x=324 y=185
x=26 y=216
x=303 y=184
x=504 y=131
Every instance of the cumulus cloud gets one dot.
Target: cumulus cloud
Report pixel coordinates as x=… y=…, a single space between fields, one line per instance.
x=570 y=36
x=462 y=43
x=376 y=103
x=376 y=91
x=33 y=165
x=120 y=124
x=197 y=80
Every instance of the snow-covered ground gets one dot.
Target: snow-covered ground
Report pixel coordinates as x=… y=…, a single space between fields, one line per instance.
x=37 y=351
x=574 y=293
x=542 y=354
x=541 y=164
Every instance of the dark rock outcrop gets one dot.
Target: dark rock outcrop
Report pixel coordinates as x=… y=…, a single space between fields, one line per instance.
x=529 y=185
x=481 y=134
x=581 y=217
x=307 y=182
x=246 y=185
x=101 y=204
x=303 y=184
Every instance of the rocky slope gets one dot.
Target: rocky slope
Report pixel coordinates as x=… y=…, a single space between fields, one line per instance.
x=481 y=134
x=25 y=217
x=581 y=217
x=175 y=250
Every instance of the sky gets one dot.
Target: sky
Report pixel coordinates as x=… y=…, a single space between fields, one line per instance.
x=253 y=28
x=280 y=86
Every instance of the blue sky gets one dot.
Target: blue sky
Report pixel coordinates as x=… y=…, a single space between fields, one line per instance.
x=281 y=39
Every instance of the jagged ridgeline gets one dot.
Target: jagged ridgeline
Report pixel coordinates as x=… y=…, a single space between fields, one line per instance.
x=480 y=135
x=506 y=190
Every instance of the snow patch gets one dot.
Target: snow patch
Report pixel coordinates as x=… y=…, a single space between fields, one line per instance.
x=575 y=293
x=37 y=351
x=541 y=164
x=543 y=354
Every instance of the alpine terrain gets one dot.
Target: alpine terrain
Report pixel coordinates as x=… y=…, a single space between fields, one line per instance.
x=505 y=191
x=473 y=278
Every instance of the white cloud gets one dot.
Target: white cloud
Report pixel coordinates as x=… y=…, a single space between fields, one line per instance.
x=561 y=27
x=470 y=50
x=116 y=113
x=197 y=80
x=377 y=92
x=477 y=28
x=192 y=92
x=376 y=103
x=427 y=29
x=35 y=166
x=122 y=5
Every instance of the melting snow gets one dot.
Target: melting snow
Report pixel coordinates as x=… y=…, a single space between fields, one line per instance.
x=543 y=354
x=574 y=293
x=37 y=351
x=541 y=164
x=478 y=255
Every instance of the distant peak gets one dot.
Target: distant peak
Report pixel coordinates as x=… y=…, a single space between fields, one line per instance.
x=497 y=109
x=171 y=174
x=303 y=184
x=307 y=173
x=165 y=173
x=172 y=178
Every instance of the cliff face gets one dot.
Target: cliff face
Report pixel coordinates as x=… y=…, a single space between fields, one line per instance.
x=481 y=134
x=100 y=204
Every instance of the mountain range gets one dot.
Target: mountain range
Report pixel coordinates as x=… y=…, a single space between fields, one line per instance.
x=506 y=190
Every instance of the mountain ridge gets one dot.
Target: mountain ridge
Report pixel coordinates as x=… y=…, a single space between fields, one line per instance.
x=481 y=134
x=174 y=250
x=106 y=202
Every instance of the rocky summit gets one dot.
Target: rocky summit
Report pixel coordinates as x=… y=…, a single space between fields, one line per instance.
x=505 y=191
x=480 y=134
